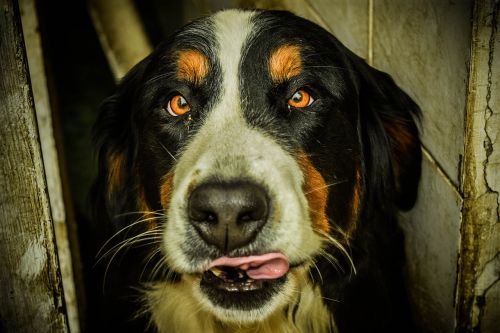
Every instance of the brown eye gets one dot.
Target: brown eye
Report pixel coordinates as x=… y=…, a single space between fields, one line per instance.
x=177 y=106
x=300 y=99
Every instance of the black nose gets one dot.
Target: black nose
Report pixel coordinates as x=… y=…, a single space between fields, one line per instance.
x=228 y=215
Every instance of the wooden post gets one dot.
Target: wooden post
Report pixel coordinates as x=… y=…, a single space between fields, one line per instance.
x=31 y=295
x=64 y=225
x=478 y=290
x=123 y=44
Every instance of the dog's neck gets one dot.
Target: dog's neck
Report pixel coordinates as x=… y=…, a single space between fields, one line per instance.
x=173 y=309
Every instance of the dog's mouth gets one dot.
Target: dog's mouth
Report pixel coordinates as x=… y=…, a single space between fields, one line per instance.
x=245 y=273
x=231 y=279
x=244 y=282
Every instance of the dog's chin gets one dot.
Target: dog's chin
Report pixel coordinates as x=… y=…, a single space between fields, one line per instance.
x=244 y=295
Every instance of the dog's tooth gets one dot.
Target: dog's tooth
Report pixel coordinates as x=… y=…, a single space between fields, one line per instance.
x=216 y=271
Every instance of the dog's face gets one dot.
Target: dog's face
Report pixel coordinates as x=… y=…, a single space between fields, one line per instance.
x=259 y=141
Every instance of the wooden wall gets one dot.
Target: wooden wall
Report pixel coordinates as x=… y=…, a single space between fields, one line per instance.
x=445 y=54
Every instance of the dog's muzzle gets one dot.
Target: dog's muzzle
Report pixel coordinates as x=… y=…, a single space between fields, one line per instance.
x=229 y=216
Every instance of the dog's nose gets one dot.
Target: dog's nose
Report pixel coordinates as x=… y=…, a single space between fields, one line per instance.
x=228 y=215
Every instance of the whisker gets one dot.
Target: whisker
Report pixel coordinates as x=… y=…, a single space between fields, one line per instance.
x=315 y=265
x=339 y=246
x=326 y=186
x=333 y=225
x=168 y=151
x=156 y=78
x=122 y=230
x=156 y=234
x=157 y=267
x=143 y=237
x=170 y=273
x=158 y=212
x=330 y=299
x=148 y=260
x=332 y=260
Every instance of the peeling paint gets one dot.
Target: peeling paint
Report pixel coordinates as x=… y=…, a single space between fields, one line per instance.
x=492 y=120
x=488 y=278
x=33 y=261
x=478 y=290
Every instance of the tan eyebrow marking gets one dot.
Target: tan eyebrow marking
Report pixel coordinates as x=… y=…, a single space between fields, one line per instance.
x=192 y=66
x=285 y=63
x=148 y=216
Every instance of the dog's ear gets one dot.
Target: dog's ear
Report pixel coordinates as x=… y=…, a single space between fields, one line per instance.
x=391 y=118
x=114 y=141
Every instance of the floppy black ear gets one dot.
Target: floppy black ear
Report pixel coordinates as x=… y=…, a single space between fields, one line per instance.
x=392 y=136
x=114 y=142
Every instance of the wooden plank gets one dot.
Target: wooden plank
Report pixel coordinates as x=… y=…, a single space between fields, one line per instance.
x=124 y=44
x=61 y=219
x=346 y=19
x=425 y=46
x=432 y=238
x=31 y=293
x=478 y=291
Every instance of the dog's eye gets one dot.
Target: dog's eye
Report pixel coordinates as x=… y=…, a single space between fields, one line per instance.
x=300 y=99
x=177 y=106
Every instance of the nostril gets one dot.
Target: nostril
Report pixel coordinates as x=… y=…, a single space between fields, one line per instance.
x=211 y=218
x=200 y=215
x=256 y=211
x=245 y=218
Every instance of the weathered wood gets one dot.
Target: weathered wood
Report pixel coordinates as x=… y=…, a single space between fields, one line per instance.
x=432 y=239
x=31 y=296
x=478 y=291
x=67 y=243
x=425 y=46
x=347 y=19
x=124 y=44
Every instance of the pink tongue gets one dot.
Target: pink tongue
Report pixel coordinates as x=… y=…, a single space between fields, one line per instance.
x=268 y=266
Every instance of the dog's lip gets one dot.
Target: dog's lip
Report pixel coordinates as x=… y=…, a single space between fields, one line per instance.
x=268 y=266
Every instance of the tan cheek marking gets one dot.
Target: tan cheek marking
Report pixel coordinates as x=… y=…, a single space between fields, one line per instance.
x=147 y=214
x=192 y=66
x=316 y=192
x=115 y=172
x=166 y=190
x=285 y=63
x=356 y=198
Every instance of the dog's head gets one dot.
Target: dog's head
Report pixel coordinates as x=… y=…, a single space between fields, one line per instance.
x=254 y=143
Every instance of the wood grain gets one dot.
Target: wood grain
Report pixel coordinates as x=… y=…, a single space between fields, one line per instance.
x=31 y=296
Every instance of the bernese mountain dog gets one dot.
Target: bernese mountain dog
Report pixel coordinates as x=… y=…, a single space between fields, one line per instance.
x=251 y=170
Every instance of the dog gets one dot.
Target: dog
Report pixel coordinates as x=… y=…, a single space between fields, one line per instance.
x=251 y=170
